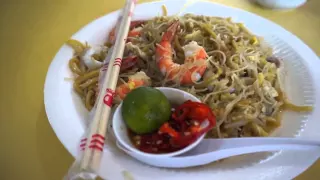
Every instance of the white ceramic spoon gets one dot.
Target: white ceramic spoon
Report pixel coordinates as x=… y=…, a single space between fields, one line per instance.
x=203 y=151
x=210 y=150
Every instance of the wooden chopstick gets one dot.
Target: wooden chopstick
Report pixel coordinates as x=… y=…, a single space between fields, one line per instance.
x=91 y=156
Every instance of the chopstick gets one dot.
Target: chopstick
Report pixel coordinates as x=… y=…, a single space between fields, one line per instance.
x=94 y=140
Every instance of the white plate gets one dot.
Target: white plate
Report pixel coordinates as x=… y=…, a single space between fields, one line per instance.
x=68 y=116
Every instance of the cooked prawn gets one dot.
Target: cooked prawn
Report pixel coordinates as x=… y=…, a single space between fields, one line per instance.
x=136 y=80
x=194 y=65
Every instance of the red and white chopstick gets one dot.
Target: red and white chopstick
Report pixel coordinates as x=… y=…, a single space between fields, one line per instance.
x=92 y=144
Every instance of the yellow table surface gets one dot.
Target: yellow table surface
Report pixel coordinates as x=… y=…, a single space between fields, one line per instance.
x=31 y=32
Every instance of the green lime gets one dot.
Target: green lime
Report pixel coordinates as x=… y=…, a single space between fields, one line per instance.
x=145 y=109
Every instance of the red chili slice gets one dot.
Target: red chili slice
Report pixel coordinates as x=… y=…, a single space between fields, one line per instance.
x=128 y=62
x=194 y=118
x=165 y=128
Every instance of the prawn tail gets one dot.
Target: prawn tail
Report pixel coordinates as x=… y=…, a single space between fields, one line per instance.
x=171 y=32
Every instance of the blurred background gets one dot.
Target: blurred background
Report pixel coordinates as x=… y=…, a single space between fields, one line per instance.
x=32 y=31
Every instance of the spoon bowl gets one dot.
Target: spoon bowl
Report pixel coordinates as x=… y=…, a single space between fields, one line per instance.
x=175 y=96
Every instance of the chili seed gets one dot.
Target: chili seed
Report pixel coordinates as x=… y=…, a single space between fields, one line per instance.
x=187 y=133
x=138 y=143
x=196 y=123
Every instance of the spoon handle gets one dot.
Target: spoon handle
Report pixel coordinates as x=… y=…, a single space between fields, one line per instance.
x=202 y=159
x=210 y=150
x=208 y=145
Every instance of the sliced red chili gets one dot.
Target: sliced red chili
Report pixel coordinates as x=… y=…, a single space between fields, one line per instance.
x=194 y=118
x=188 y=122
x=128 y=62
x=166 y=128
x=180 y=113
